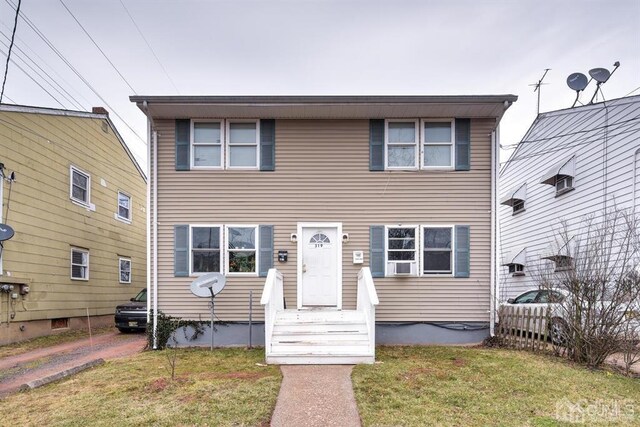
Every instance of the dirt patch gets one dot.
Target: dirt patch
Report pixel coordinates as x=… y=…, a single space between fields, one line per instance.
x=249 y=376
x=459 y=363
x=157 y=385
x=418 y=376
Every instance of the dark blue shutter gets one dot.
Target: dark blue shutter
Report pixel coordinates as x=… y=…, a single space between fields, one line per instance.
x=376 y=250
x=462 y=251
x=181 y=251
x=183 y=139
x=376 y=145
x=267 y=145
x=463 y=144
x=266 y=250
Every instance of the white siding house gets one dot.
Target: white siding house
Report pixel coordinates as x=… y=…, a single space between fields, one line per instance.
x=570 y=165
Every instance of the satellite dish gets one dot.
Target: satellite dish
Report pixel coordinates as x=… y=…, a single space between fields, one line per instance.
x=6 y=232
x=208 y=285
x=600 y=75
x=577 y=81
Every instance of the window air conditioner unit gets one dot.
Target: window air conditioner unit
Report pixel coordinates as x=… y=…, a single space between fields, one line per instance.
x=402 y=268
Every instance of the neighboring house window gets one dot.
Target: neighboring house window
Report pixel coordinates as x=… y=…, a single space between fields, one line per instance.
x=516 y=269
x=437 y=139
x=241 y=249
x=206 y=144
x=125 y=270
x=79 y=264
x=563 y=263
x=401 y=144
x=124 y=206
x=205 y=246
x=242 y=144
x=563 y=184
x=80 y=186
x=437 y=250
x=518 y=206
x=401 y=250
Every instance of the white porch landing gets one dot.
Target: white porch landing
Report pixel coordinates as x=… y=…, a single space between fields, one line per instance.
x=319 y=336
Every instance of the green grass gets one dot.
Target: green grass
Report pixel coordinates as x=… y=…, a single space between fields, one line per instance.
x=50 y=340
x=457 y=386
x=222 y=388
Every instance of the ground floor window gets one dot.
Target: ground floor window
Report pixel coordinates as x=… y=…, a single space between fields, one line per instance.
x=79 y=264
x=125 y=270
x=205 y=244
x=437 y=248
x=241 y=249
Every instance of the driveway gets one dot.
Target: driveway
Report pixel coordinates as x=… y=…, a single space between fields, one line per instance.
x=43 y=362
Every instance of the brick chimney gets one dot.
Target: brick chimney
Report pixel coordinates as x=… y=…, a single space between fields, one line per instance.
x=99 y=110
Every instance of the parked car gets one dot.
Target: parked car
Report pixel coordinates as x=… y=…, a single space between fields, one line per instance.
x=553 y=299
x=132 y=316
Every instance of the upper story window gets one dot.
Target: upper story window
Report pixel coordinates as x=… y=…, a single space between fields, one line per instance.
x=205 y=244
x=79 y=264
x=241 y=249
x=437 y=140
x=437 y=250
x=401 y=144
x=124 y=270
x=561 y=176
x=563 y=184
x=124 y=206
x=206 y=144
x=243 y=143
x=80 y=186
x=516 y=198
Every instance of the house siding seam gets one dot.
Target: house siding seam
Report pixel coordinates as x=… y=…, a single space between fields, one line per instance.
x=322 y=175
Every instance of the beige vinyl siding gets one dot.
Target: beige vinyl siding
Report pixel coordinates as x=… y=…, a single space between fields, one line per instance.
x=40 y=148
x=322 y=175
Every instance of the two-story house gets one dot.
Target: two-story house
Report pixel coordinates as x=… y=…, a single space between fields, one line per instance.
x=352 y=219
x=76 y=198
x=572 y=165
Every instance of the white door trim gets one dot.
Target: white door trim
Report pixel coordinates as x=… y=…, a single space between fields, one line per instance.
x=300 y=248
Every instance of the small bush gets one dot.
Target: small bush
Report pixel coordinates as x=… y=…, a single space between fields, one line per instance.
x=167 y=325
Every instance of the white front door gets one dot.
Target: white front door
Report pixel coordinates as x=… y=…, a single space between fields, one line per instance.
x=320 y=269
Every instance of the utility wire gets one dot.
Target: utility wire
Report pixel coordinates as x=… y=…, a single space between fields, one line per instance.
x=635 y=90
x=75 y=71
x=13 y=35
x=37 y=73
x=96 y=45
x=149 y=46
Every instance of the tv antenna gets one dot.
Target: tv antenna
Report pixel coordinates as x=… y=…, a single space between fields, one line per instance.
x=208 y=286
x=601 y=75
x=537 y=86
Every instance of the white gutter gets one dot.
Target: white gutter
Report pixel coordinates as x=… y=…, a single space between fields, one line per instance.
x=494 y=226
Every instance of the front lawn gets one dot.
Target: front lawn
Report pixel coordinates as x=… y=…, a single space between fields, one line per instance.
x=457 y=386
x=222 y=388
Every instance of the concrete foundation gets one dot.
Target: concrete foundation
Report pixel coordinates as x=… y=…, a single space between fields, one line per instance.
x=22 y=331
x=237 y=334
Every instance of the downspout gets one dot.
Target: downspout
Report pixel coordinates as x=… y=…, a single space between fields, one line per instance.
x=152 y=221
x=635 y=182
x=494 y=190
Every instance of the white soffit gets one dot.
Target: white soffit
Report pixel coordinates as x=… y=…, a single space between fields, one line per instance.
x=567 y=167
x=518 y=192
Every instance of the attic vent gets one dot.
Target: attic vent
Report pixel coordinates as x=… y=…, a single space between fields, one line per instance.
x=105 y=127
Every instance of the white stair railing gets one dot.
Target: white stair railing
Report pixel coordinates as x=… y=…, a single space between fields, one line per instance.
x=273 y=301
x=367 y=301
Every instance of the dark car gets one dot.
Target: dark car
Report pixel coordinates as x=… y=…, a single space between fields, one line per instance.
x=132 y=316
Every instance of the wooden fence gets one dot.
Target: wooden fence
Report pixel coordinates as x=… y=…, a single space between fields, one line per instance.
x=524 y=328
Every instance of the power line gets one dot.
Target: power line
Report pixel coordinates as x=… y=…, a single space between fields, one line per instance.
x=635 y=90
x=72 y=68
x=13 y=35
x=149 y=46
x=96 y=45
x=48 y=81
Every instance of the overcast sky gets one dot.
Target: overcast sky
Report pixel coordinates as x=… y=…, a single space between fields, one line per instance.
x=318 y=48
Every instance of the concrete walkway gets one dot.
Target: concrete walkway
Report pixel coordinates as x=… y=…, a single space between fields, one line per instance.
x=316 y=395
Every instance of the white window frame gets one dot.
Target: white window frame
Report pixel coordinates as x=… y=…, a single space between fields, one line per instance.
x=71 y=264
x=453 y=251
x=228 y=145
x=73 y=169
x=120 y=259
x=192 y=143
x=452 y=143
x=121 y=218
x=191 y=227
x=226 y=249
x=387 y=143
x=416 y=258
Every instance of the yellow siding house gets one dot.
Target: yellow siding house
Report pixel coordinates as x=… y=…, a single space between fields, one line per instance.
x=76 y=199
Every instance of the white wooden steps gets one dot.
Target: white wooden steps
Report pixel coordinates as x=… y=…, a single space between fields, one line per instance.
x=320 y=337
